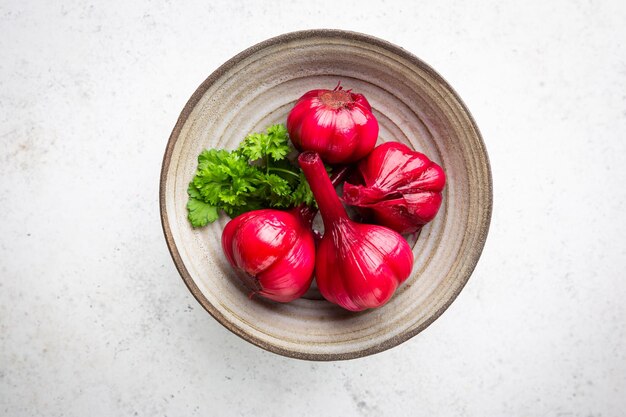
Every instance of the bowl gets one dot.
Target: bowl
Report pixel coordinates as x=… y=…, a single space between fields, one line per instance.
x=413 y=104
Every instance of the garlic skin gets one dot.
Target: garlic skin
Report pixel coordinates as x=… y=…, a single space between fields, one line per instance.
x=337 y=124
x=273 y=252
x=402 y=188
x=358 y=266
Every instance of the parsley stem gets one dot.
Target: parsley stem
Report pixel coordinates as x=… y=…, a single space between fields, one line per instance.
x=286 y=171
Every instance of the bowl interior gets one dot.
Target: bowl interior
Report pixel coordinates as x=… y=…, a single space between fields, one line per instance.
x=413 y=104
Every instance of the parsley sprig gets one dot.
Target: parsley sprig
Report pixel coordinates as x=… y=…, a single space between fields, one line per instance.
x=256 y=175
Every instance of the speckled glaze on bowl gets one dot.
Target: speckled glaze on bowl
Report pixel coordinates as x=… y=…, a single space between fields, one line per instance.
x=413 y=104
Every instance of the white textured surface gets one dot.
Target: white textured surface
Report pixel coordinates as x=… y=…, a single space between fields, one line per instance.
x=94 y=319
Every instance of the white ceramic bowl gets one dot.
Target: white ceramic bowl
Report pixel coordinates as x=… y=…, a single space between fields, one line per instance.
x=413 y=104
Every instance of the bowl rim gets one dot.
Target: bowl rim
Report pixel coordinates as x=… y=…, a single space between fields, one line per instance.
x=171 y=244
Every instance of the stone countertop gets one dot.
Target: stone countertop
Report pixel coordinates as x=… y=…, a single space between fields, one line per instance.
x=94 y=319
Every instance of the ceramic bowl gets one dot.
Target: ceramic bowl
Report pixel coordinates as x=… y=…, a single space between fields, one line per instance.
x=413 y=104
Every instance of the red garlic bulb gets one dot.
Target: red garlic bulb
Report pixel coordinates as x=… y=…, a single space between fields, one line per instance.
x=358 y=266
x=337 y=124
x=402 y=188
x=273 y=251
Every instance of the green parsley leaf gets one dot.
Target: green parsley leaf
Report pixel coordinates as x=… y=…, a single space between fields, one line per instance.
x=200 y=213
x=273 y=144
x=303 y=194
x=256 y=175
x=278 y=142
